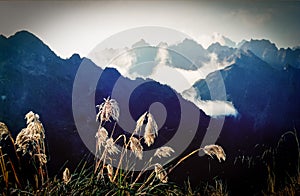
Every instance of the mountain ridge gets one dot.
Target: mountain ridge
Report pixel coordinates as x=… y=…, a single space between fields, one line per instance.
x=46 y=86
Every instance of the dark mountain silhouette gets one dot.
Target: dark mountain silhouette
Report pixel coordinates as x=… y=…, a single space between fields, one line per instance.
x=264 y=87
x=266 y=97
x=34 y=78
x=259 y=83
x=263 y=84
x=269 y=53
x=223 y=52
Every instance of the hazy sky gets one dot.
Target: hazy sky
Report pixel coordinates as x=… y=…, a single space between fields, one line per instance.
x=77 y=27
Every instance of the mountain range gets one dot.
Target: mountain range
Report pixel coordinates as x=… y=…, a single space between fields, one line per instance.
x=262 y=82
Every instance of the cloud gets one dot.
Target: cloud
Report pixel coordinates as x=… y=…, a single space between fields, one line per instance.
x=162 y=55
x=253 y=18
x=120 y=59
x=206 y=40
x=211 y=108
x=123 y=63
x=179 y=79
x=214 y=65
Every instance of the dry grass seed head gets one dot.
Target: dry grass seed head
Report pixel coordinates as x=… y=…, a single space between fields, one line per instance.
x=31 y=117
x=140 y=123
x=215 y=150
x=24 y=140
x=164 y=151
x=101 y=136
x=110 y=172
x=149 y=139
x=66 y=176
x=151 y=130
x=3 y=130
x=42 y=158
x=161 y=174
x=111 y=147
x=136 y=147
x=34 y=126
x=31 y=139
x=108 y=109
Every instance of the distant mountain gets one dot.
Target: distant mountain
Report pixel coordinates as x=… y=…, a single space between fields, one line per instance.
x=262 y=83
x=140 y=43
x=296 y=47
x=144 y=55
x=222 y=40
x=261 y=92
x=188 y=55
x=223 y=52
x=268 y=52
x=238 y=45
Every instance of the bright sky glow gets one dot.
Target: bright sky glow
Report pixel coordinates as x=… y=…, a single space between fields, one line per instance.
x=78 y=26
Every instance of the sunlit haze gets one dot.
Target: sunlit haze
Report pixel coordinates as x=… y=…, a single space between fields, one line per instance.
x=77 y=27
